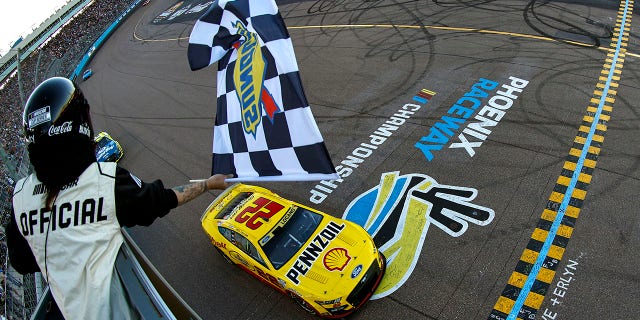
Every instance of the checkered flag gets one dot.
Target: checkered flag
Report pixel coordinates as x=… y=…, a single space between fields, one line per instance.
x=264 y=129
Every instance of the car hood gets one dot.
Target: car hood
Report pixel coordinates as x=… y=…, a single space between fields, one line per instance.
x=332 y=261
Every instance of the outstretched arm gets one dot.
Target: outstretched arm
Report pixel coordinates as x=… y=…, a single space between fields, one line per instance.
x=188 y=192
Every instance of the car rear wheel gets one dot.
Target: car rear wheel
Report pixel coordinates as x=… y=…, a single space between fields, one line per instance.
x=305 y=305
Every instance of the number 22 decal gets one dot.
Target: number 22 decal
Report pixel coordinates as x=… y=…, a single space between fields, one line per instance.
x=261 y=208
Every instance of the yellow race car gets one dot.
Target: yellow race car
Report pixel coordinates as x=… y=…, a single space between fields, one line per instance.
x=329 y=266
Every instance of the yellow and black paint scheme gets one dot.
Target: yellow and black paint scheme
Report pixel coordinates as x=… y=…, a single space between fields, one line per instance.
x=334 y=266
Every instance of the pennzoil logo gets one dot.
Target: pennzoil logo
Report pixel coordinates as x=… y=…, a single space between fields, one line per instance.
x=248 y=79
x=305 y=260
x=336 y=259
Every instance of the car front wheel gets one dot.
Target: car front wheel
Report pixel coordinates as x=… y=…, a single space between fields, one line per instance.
x=305 y=305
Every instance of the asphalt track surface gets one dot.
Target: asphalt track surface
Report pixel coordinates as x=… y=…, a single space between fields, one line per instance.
x=361 y=62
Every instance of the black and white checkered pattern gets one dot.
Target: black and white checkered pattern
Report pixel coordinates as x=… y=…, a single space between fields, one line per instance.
x=288 y=146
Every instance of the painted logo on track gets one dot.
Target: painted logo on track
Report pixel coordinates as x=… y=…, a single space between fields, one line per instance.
x=486 y=117
x=182 y=11
x=383 y=133
x=398 y=212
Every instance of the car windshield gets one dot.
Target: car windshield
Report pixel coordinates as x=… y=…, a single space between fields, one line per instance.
x=289 y=235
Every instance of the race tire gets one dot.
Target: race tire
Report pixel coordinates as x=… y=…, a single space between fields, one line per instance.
x=303 y=304
x=226 y=258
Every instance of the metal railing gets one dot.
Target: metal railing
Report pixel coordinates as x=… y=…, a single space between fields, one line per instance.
x=150 y=294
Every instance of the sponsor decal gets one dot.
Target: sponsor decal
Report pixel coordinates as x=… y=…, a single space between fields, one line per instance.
x=104 y=152
x=84 y=129
x=336 y=259
x=486 y=117
x=327 y=302
x=40 y=188
x=269 y=278
x=39 y=117
x=311 y=253
x=320 y=192
x=356 y=271
x=248 y=79
x=281 y=223
x=63 y=128
x=182 y=11
x=398 y=212
x=238 y=257
x=219 y=244
x=266 y=239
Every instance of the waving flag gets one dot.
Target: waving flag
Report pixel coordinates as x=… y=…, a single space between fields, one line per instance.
x=264 y=129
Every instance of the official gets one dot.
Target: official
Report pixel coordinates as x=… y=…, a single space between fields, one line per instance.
x=68 y=214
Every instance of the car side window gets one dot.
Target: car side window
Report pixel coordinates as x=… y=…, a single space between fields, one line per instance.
x=228 y=234
x=250 y=249
x=242 y=243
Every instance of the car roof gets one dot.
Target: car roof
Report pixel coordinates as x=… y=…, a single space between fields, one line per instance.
x=254 y=198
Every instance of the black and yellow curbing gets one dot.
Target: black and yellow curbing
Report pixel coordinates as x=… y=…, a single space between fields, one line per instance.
x=528 y=284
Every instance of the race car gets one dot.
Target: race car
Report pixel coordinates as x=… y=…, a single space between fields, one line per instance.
x=107 y=149
x=329 y=266
x=87 y=74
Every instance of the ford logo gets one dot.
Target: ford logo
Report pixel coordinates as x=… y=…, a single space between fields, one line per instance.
x=356 y=271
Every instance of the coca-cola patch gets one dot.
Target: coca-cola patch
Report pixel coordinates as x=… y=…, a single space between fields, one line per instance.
x=39 y=117
x=63 y=128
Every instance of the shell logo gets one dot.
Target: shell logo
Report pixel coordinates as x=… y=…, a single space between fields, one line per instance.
x=336 y=259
